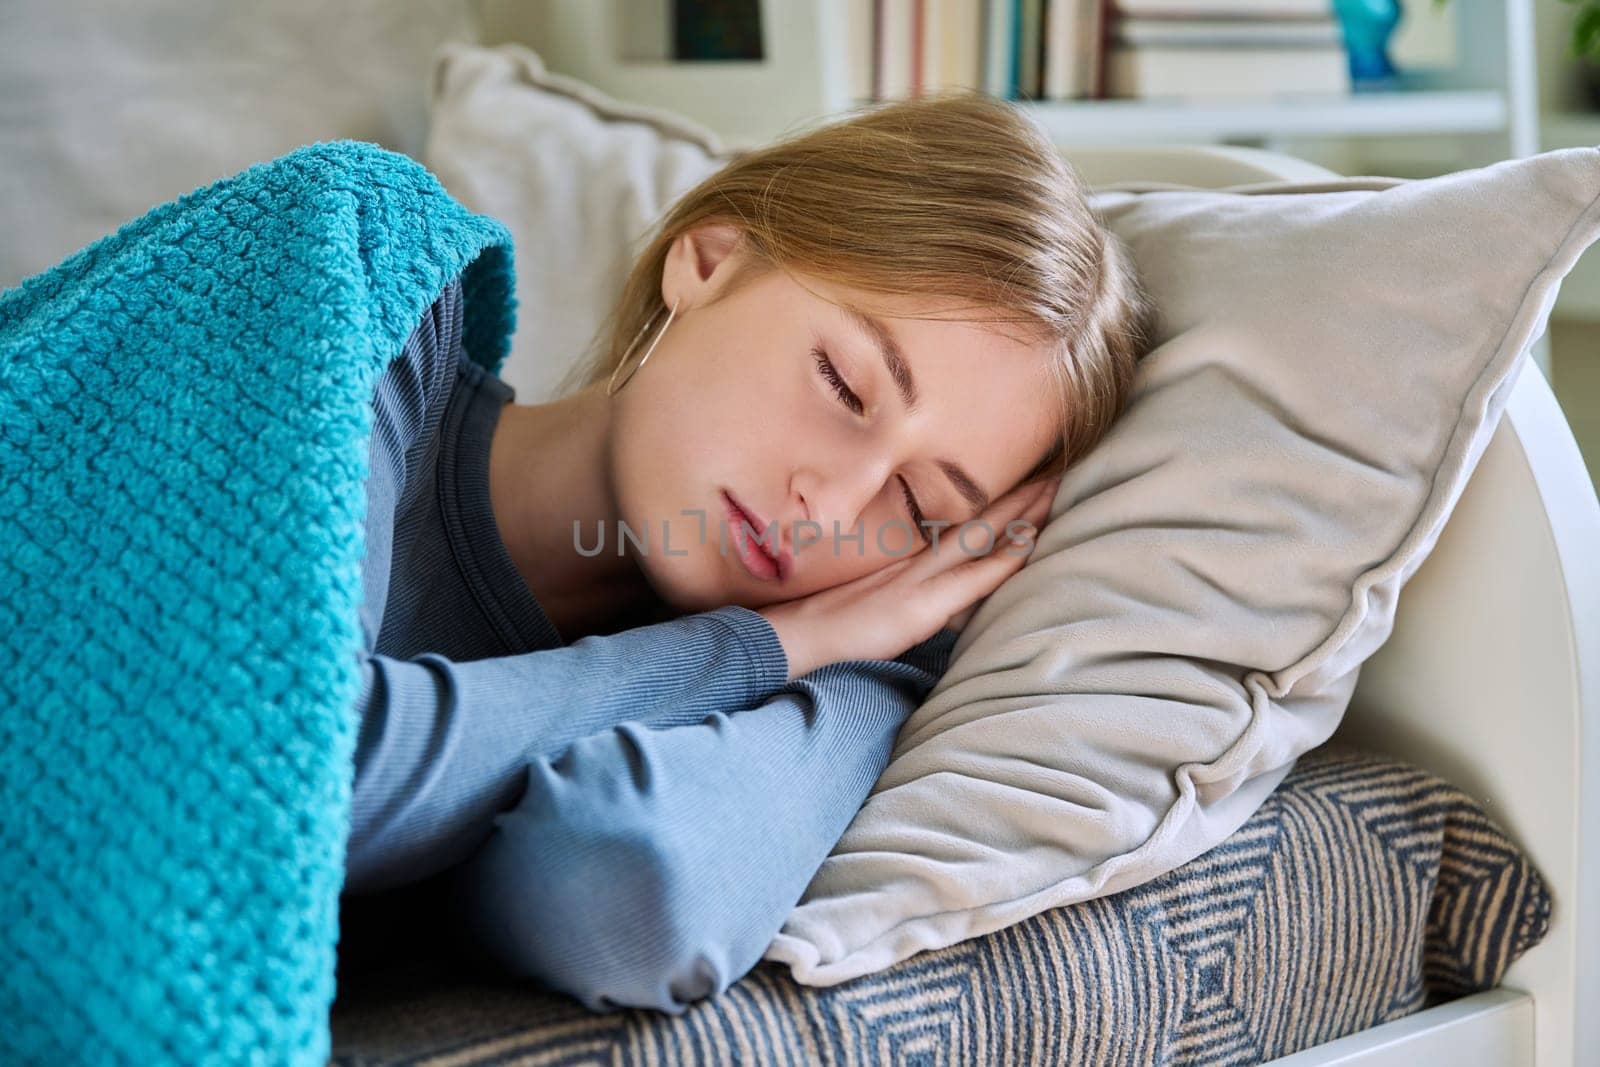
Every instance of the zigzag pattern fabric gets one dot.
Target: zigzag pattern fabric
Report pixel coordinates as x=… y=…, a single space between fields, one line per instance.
x=1362 y=890
x=184 y=424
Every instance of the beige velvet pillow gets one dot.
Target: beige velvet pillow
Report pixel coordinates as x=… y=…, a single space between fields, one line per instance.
x=1331 y=360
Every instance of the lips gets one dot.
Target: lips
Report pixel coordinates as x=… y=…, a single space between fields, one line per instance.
x=784 y=562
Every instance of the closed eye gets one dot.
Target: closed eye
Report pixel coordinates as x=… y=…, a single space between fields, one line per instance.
x=848 y=397
x=853 y=402
x=916 y=513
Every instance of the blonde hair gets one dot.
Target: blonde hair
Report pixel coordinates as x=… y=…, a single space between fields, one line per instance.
x=950 y=195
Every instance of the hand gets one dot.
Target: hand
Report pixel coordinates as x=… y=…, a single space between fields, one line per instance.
x=880 y=615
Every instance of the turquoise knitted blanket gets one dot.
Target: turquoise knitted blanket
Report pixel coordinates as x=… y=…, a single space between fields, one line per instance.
x=185 y=408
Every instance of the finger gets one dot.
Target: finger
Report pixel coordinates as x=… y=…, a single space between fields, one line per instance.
x=1011 y=502
x=959 y=545
x=1036 y=503
x=961 y=587
x=1020 y=499
x=1047 y=500
x=1021 y=540
x=873 y=581
x=887 y=573
x=1038 y=512
x=1028 y=523
x=990 y=531
x=972 y=586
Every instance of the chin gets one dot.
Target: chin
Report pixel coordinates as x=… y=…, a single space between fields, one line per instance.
x=684 y=582
x=697 y=575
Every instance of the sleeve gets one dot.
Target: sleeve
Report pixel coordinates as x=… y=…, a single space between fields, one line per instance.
x=445 y=745
x=407 y=405
x=647 y=868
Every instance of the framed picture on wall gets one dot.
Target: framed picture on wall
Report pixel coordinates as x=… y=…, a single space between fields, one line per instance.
x=749 y=69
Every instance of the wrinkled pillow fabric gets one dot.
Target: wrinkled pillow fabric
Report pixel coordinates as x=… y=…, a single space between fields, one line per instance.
x=1329 y=362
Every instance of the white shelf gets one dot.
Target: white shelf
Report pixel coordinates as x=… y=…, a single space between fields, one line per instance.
x=1481 y=91
x=1349 y=115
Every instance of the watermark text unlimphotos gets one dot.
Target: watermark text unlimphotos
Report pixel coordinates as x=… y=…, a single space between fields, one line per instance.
x=807 y=533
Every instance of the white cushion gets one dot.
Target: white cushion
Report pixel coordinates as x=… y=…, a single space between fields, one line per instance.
x=576 y=176
x=108 y=108
x=1331 y=359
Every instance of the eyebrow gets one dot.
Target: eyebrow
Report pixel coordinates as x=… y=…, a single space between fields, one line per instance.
x=894 y=360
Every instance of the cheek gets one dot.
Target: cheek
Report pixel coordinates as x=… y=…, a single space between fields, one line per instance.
x=843 y=560
x=725 y=397
x=662 y=466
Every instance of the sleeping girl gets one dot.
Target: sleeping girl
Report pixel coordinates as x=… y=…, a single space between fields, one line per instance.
x=637 y=655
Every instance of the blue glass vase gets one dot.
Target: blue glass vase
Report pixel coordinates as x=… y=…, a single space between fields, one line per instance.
x=1368 y=25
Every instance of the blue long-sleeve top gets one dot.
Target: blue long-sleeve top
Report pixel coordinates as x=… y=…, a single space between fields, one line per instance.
x=628 y=818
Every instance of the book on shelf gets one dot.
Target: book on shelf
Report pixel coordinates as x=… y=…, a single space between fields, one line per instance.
x=1215 y=50
x=1063 y=50
x=1224 y=9
x=1231 y=73
x=1231 y=33
x=918 y=47
x=1074 y=51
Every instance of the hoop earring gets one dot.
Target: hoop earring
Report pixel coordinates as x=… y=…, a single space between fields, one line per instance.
x=612 y=386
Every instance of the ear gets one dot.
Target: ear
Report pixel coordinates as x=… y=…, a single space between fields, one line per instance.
x=698 y=264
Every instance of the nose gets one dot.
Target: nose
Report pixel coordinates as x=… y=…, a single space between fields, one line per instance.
x=839 y=493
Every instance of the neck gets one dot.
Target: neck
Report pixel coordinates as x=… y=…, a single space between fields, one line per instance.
x=548 y=469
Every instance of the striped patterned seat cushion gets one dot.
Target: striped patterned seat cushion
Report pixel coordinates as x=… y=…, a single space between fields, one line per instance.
x=1363 y=889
